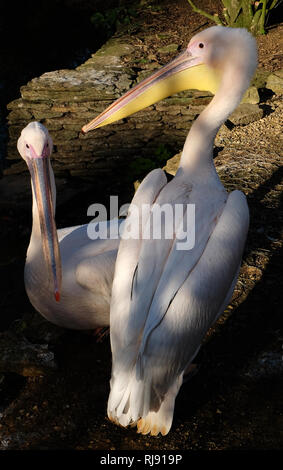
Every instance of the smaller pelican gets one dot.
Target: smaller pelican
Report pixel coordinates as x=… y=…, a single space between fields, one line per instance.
x=68 y=276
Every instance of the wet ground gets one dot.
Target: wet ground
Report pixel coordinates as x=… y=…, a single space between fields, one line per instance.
x=234 y=402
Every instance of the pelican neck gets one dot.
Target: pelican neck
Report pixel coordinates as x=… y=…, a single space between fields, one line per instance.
x=198 y=148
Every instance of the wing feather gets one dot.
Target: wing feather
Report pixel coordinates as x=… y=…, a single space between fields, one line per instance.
x=201 y=298
x=124 y=340
x=126 y=269
x=163 y=267
x=172 y=336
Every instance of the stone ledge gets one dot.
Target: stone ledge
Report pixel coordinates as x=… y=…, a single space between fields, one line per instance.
x=275 y=82
x=64 y=100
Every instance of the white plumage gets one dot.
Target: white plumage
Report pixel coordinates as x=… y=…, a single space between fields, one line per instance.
x=87 y=266
x=164 y=300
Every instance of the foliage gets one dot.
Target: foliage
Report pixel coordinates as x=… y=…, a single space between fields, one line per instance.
x=161 y=154
x=112 y=19
x=142 y=165
x=249 y=14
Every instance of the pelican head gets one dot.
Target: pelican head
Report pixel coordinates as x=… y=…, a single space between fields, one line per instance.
x=220 y=47
x=35 y=147
x=201 y=66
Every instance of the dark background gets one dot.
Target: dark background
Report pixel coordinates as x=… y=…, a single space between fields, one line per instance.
x=37 y=37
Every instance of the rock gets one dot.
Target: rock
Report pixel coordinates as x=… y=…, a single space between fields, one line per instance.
x=136 y=184
x=19 y=356
x=267 y=365
x=275 y=82
x=251 y=96
x=172 y=164
x=115 y=49
x=246 y=113
x=259 y=80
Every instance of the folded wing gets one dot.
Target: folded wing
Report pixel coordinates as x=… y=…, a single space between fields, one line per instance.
x=145 y=389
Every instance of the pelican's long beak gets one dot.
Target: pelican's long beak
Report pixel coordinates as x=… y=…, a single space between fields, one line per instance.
x=41 y=182
x=183 y=73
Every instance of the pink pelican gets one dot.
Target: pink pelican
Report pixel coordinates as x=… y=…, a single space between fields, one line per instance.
x=163 y=299
x=68 y=276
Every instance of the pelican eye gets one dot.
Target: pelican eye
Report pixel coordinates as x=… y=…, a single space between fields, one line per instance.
x=27 y=146
x=201 y=45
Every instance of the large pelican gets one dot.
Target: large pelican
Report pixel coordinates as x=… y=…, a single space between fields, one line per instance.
x=165 y=299
x=68 y=276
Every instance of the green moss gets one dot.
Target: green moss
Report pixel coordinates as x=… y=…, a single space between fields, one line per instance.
x=259 y=80
x=168 y=48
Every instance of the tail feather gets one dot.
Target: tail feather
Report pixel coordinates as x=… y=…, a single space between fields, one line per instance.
x=137 y=402
x=125 y=398
x=160 y=421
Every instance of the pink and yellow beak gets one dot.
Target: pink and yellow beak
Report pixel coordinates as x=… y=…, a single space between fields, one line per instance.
x=40 y=175
x=183 y=73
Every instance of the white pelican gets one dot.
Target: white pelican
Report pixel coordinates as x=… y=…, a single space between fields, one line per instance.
x=164 y=300
x=68 y=276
